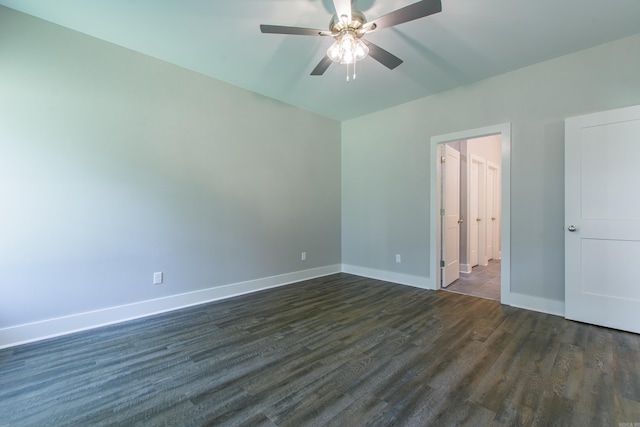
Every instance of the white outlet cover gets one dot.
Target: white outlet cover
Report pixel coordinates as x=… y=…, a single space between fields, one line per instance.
x=157 y=278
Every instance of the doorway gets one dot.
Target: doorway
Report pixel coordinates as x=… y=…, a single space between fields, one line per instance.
x=484 y=236
x=470 y=225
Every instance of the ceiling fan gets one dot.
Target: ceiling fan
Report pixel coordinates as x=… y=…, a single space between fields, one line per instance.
x=348 y=26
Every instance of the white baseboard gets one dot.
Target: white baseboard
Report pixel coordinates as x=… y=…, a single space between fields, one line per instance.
x=542 y=305
x=465 y=268
x=22 y=334
x=389 y=276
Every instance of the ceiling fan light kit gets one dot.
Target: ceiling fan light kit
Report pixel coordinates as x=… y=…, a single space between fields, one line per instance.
x=347 y=47
x=348 y=26
x=347 y=50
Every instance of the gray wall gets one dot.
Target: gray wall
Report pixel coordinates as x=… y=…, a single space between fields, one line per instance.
x=385 y=162
x=114 y=165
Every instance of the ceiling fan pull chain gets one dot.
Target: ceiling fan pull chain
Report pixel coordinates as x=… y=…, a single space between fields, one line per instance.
x=354 y=71
x=347 y=71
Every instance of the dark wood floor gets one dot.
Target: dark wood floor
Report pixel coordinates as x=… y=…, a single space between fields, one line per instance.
x=483 y=281
x=339 y=350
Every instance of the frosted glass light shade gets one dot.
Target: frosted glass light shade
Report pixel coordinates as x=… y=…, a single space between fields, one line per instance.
x=347 y=50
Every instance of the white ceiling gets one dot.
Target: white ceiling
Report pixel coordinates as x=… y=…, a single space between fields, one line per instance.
x=468 y=41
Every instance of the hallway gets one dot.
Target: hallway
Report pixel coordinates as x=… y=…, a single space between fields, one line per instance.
x=483 y=281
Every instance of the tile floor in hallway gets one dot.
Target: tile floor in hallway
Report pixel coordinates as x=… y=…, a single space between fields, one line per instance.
x=483 y=281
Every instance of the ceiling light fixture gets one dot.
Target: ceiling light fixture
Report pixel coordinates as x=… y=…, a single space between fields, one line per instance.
x=349 y=25
x=348 y=49
x=347 y=29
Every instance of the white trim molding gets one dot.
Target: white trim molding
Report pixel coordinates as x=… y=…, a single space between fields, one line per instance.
x=22 y=334
x=543 y=305
x=465 y=268
x=389 y=276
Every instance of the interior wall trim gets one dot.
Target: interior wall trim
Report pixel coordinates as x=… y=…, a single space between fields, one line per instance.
x=389 y=276
x=543 y=305
x=50 y=328
x=36 y=331
x=466 y=268
x=528 y=302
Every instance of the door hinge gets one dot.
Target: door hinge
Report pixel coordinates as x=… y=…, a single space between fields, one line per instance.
x=443 y=159
x=441 y=212
x=442 y=263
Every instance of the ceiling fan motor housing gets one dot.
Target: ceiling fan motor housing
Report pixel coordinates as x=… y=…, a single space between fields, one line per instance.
x=337 y=26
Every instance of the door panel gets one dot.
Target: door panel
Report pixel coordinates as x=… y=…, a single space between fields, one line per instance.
x=451 y=203
x=618 y=274
x=602 y=205
x=610 y=174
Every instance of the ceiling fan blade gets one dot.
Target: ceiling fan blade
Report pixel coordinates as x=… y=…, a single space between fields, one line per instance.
x=322 y=66
x=408 y=13
x=343 y=8
x=387 y=59
x=296 y=31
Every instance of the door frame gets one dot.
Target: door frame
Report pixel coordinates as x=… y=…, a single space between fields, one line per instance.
x=504 y=130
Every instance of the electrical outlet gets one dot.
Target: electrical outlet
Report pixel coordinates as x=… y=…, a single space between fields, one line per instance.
x=303 y=256
x=157 y=278
x=398 y=258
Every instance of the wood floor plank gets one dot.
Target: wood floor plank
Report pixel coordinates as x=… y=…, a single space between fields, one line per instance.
x=568 y=372
x=627 y=376
x=337 y=350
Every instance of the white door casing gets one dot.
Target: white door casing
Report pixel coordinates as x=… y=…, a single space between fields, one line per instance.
x=451 y=217
x=504 y=130
x=602 y=218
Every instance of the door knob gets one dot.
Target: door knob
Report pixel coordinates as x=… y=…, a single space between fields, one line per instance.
x=572 y=228
x=493 y=219
x=478 y=219
x=460 y=221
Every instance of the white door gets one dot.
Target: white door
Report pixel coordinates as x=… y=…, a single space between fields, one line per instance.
x=490 y=223
x=451 y=225
x=602 y=214
x=493 y=211
x=473 y=214
x=477 y=210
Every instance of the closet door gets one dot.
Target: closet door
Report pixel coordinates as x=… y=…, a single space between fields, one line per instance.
x=602 y=218
x=493 y=211
x=477 y=211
